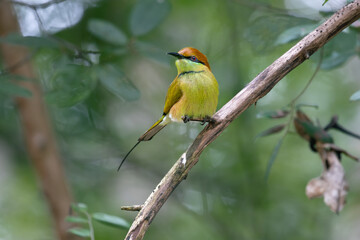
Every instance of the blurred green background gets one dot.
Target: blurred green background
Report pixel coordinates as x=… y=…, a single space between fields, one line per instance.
x=104 y=71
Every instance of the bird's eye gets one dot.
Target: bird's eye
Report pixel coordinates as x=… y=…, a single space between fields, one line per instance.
x=193 y=58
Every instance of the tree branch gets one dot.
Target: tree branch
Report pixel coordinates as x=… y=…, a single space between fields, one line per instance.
x=37 y=130
x=249 y=95
x=16 y=65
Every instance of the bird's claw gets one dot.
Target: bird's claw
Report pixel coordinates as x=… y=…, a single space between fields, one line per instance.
x=185 y=118
x=207 y=119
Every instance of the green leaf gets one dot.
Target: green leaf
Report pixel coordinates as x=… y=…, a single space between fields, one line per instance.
x=111 y=220
x=70 y=85
x=147 y=14
x=325 y=2
x=336 y=59
x=10 y=88
x=31 y=41
x=355 y=96
x=272 y=130
x=81 y=232
x=107 y=31
x=74 y=219
x=150 y=51
x=326 y=14
x=338 y=50
x=294 y=33
x=79 y=207
x=301 y=105
x=117 y=83
x=63 y=99
x=264 y=30
x=307 y=130
x=273 y=114
x=272 y=158
x=15 y=77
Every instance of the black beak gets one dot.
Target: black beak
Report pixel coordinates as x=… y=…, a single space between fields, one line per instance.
x=177 y=55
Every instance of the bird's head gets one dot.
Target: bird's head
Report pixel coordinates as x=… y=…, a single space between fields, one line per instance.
x=190 y=59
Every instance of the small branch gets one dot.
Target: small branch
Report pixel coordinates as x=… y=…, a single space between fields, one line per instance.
x=132 y=208
x=255 y=90
x=310 y=80
x=335 y=148
x=291 y=118
x=333 y=124
x=91 y=228
x=36 y=127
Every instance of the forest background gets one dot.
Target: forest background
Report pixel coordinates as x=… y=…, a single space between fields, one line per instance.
x=103 y=70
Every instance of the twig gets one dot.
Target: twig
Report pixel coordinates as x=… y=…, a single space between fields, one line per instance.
x=255 y=90
x=291 y=118
x=132 y=208
x=311 y=79
x=91 y=228
x=333 y=124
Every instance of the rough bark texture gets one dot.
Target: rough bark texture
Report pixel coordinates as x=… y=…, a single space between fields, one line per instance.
x=255 y=90
x=38 y=135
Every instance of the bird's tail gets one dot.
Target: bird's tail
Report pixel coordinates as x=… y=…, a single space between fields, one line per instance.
x=149 y=134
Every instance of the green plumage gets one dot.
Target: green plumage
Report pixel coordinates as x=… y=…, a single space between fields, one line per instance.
x=193 y=93
x=200 y=92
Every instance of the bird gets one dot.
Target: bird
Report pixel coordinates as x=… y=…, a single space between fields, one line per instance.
x=192 y=96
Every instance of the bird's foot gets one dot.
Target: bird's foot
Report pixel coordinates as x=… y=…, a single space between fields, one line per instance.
x=185 y=118
x=204 y=120
x=207 y=119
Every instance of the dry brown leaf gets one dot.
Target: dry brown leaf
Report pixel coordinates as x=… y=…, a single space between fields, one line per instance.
x=271 y=131
x=331 y=184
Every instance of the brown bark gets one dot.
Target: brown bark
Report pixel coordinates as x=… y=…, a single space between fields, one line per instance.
x=37 y=131
x=255 y=90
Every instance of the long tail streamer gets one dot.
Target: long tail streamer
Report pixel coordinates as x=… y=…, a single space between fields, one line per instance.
x=128 y=155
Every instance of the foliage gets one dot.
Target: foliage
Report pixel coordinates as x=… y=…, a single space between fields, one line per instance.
x=105 y=80
x=85 y=218
x=107 y=32
x=10 y=88
x=147 y=14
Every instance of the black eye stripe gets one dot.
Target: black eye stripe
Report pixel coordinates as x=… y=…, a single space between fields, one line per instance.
x=196 y=60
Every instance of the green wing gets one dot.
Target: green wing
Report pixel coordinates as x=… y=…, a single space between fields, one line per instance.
x=173 y=95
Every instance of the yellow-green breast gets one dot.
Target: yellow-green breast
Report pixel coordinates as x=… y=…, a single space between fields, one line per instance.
x=199 y=90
